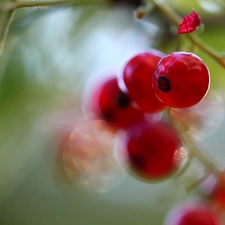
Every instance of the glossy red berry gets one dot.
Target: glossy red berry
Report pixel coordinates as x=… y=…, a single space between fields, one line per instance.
x=112 y=105
x=137 y=77
x=181 y=79
x=196 y=213
x=150 y=148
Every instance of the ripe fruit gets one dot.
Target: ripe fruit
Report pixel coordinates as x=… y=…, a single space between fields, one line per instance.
x=214 y=190
x=218 y=195
x=195 y=213
x=181 y=79
x=112 y=105
x=150 y=148
x=87 y=157
x=137 y=77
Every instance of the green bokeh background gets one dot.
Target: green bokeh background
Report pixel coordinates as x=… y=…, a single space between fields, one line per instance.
x=48 y=57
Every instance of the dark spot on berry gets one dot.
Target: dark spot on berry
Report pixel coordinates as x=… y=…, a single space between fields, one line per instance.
x=108 y=115
x=164 y=84
x=123 y=100
x=138 y=162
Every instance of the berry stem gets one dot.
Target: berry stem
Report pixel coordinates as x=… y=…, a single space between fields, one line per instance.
x=176 y=19
x=194 y=151
x=185 y=167
x=202 y=158
x=196 y=184
x=11 y=7
x=217 y=56
x=4 y=33
x=44 y=4
x=40 y=4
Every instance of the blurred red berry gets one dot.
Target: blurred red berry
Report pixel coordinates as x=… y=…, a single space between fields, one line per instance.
x=150 y=148
x=217 y=193
x=112 y=105
x=196 y=213
x=137 y=77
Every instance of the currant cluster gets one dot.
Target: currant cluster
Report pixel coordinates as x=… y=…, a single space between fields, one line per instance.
x=150 y=82
x=135 y=101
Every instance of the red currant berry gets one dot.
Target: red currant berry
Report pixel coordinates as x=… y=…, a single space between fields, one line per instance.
x=112 y=105
x=137 y=77
x=217 y=194
x=181 y=79
x=150 y=148
x=197 y=213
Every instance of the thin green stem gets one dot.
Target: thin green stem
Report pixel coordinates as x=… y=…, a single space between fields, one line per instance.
x=196 y=184
x=217 y=56
x=176 y=19
x=11 y=7
x=185 y=167
x=168 y=11
x=42 y=4
x=6 y=29
x=202 y=158
x=45 y=4
x=194 y=151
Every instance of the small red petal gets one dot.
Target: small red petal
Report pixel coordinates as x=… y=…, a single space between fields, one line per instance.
x=189 y=23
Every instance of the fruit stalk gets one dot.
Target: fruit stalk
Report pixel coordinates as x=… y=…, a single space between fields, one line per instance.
x=5 y=30
x=176 y=19
x=202 y=158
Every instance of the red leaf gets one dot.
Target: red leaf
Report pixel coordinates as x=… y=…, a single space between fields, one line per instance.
x=189 y=23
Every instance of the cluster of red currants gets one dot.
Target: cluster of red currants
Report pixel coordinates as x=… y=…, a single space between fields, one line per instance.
x=151 y=83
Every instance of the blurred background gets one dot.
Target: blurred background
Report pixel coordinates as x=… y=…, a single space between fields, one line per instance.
x=49 y=56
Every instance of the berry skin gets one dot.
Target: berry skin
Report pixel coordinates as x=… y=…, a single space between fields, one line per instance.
x=181 y=80
x=149 y=149
x=197 y=213
x=214 y=190
x=137 y=77
x=112 y=105
x=218 y=194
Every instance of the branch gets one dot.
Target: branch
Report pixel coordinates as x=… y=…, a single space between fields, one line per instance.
x=42 y=4
x=206 y=161
x=5 y=30
x=45 y=4
x=194 y=151
x=11 y=7
x=176 y=19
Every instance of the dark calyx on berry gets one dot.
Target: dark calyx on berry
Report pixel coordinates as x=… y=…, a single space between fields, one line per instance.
x=164 y=84
x=123 y=100
x=108 y=115
x=108 y=102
